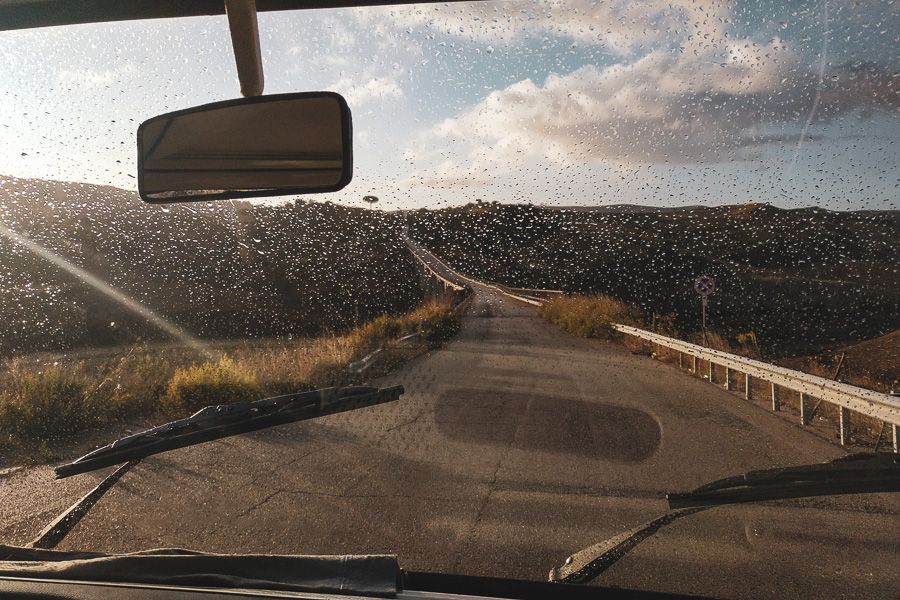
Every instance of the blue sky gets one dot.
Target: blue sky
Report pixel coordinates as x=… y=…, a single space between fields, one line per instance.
x=562 y=103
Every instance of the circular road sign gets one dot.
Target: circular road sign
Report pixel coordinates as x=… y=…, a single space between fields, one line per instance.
x=704 y=285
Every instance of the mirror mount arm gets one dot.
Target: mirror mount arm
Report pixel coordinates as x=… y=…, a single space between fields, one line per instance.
x=244 y=29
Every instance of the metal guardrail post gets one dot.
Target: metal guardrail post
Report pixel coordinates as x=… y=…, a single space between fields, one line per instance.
x=680 y=360
x=844 y=425
x=711 y=372
x=896 y=430
x=694 y=367
x=748 y=386
x=776 y=398
x=804 y=408
x=728 y=379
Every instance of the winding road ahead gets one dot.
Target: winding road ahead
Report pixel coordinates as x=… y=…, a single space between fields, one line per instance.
x=515 y=445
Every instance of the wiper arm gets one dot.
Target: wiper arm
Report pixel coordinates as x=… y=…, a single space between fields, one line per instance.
x=215 y=422
x=855 y=474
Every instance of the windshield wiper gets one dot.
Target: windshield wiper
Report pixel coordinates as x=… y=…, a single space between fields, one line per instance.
x=855 y=474
x=214 y=422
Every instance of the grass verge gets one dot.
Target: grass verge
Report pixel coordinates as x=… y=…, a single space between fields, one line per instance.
x=45 y=402
x=591 y=316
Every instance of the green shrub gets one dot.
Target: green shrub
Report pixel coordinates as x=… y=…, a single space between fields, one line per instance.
x=208 y=384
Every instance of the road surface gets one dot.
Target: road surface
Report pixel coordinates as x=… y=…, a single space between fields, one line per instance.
x=514 y=446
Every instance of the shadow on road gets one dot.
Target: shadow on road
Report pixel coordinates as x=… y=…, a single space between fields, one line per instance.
x=548 y=423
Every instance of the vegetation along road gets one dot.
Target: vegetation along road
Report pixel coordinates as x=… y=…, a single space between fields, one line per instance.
x=514 y=445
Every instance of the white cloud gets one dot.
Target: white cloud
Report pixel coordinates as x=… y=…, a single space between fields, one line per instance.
x=663 y=107
x=450 y=174
x=378 y=88
x=96 y=77
x=622 y=26
x=685 y=89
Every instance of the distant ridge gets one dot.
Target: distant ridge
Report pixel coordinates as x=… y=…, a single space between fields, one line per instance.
x=626 y=208
x=752 y=206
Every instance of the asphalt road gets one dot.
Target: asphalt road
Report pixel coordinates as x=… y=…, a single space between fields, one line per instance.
x=514 y=445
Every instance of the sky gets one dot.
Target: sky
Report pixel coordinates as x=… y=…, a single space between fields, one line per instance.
x=668 y=103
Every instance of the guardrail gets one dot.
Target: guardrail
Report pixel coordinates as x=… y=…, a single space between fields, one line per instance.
x=461 y=294
x=366 y=361
x=534 y=295
x=885 y=407
x=415 y=250
x=518 y=293
x=528 y=295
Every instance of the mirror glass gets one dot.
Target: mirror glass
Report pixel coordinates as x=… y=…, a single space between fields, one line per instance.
x=265 y=146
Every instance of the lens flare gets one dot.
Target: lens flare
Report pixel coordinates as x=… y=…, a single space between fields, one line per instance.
x=107 y=290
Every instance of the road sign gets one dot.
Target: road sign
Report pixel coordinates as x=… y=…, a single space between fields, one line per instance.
x=704 y=285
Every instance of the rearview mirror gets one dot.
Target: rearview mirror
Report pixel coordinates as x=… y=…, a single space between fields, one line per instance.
x=263 y=146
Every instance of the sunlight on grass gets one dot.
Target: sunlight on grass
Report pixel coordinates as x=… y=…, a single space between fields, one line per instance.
x=207 y=384
x=53 y=401
x=42 y=404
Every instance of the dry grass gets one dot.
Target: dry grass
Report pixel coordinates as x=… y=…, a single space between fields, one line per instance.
x=430 y=319
x=864 y=426
x=221 y=382
x=52 y=402
x=590 y=316
x=45 y=402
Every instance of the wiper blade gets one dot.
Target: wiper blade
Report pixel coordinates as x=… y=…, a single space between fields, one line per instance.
x=855 y=474
x=215 y=422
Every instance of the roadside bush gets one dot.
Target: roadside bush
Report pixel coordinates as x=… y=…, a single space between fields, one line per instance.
x=435 y=320
x=54 y=403
x=590 y=316
x=41 y=405
x=327 y=372
x=716 y=341
x=287 y=367
x=211 y=383
x=377 y=331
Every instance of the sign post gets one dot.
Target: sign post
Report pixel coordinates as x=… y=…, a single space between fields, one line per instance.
x=704 y=285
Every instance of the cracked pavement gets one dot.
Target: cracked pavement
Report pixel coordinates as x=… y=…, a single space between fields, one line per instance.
x=513 y=446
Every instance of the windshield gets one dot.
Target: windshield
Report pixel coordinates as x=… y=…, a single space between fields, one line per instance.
x=538 y=188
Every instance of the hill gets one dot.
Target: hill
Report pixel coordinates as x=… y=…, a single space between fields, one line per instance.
x=621 y=208
x=218 y=270
x=873 y=363
x=802 y=280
